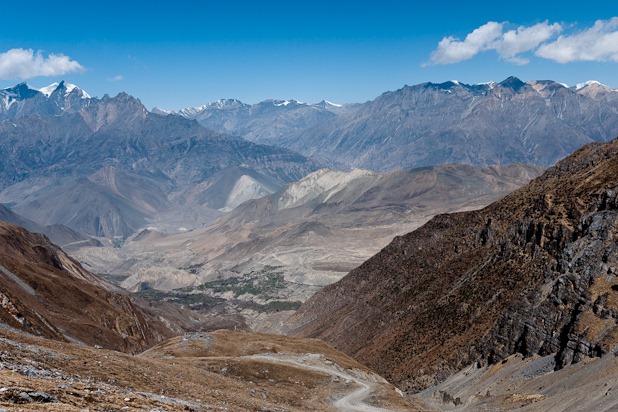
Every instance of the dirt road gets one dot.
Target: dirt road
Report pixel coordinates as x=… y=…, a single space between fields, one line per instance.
x=353 y=401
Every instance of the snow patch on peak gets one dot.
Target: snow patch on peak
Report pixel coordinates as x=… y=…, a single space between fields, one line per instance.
x=292 y=102
x=491 y=84
x=580 y=86
x=71 y=87
x=326 y=104
x=158 y=110
x=48 y=90
x=191 y=111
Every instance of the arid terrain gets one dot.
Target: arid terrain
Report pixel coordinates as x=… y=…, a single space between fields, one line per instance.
x=269 y=255
x=533 y=273
x=70 y=340
x=195 y=372
x=529 y=384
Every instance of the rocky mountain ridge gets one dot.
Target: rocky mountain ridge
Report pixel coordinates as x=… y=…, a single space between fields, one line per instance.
x=58 y=234
x=53 y=100
x=109 y=167
x=533 y=122
x=265 y=122
x=533 y=273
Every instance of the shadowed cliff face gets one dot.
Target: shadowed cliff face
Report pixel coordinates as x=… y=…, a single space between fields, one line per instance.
x=532 y=273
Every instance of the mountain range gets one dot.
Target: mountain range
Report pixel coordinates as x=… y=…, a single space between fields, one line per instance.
x=534 y=122
x=53 y=100
x=266 y=122
x=108 y=167
x=493 y=306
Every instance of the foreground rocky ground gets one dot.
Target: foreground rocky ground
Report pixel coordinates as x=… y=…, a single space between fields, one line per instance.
x=529 y=384
x=222 y=370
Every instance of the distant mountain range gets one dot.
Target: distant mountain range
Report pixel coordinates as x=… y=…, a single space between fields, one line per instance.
x=53 y=100
x=534 y=122
x=107 y=167
x=267 y=122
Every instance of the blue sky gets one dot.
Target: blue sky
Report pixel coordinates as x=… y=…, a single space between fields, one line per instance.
x=179 y=54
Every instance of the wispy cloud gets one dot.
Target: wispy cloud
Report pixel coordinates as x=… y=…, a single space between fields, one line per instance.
x=116 y=78
x=492 y=36
x=452 y=50
x=26 y=63
x=514 y=42
x=597 y=43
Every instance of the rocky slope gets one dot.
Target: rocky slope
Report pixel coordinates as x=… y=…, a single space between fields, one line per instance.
x=528 y=384
x=46 y=293
x=534 y=122
x=196 y=372
x=110 y=167
x=533 y=273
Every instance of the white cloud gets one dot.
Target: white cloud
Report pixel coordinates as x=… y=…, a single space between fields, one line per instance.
x=25 y=64
x=597 y=43
x=514 y=42
x=491 y=36
x=115 y=78
x=452 y=50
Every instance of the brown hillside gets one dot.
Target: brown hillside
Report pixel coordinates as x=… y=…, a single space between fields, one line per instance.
x=45 y=292
x=195 y=372
x=533 y=273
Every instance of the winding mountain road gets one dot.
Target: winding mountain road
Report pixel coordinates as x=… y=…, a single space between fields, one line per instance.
x=353 y=401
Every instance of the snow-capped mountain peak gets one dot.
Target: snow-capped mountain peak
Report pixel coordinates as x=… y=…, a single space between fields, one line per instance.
x=491 y=84
x=48 y=90
x=580 y=86
x=326 y=104
x=291 y=102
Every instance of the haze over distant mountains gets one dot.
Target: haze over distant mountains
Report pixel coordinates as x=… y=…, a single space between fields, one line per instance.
x=274 y=252
x=534 y=122
x=107 y=167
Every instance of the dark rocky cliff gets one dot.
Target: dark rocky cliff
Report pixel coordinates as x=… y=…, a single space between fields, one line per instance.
x=533 y=273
